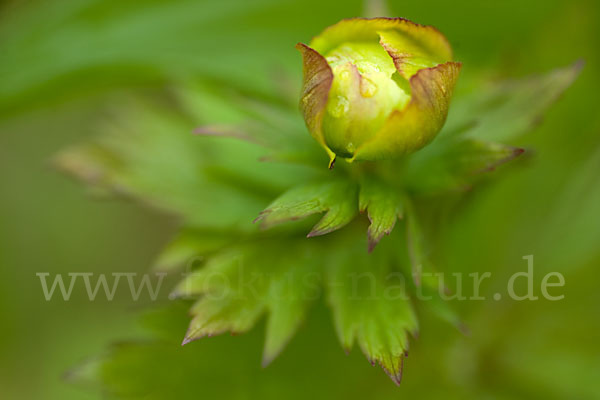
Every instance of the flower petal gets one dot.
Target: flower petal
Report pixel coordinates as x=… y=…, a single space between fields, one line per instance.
x=427 y=39
x=316 y=83
x=411 y=128
x=414 y=49
x=352 y=116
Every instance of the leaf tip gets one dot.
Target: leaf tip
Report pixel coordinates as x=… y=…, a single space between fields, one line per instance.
x=578 y=65
x=395 y=373
x=463 y=328
x=261 y=215
x=187 y=339
x=267 y=359
x=316 y=232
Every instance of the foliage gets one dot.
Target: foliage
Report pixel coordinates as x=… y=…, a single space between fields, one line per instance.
x=216 y=182
x=66 y=62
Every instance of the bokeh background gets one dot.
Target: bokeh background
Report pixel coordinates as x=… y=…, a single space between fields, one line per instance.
x=63 y=63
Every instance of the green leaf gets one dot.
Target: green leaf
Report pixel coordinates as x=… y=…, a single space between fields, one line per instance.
x=148 y=153
x=583 y=190
x=505 y=110
x=215 y=182
x=371 y=307
x=259 y=119
x=383 y=206
x=240 y=284
x=155 y=367
x=338 y=198
x=427 y=285
x=191 y=245
x=282 y=277
x=455 y=164
x=472 y=140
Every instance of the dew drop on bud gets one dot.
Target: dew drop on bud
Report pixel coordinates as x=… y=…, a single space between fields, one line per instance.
x=367 y=87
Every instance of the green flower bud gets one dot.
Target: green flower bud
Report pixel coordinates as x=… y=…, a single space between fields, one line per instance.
x=376 y=88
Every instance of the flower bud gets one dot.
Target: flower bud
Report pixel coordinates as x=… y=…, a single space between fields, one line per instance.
x=376 y=88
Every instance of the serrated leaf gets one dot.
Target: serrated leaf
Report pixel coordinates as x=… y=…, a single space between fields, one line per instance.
x=281 y=278
x=277 y=127
x=150 y=154
x=191 y=245
x=505 y=110
x=337 y=198
x=383 y=206
x=156 y=368
x=455 y=164
x=431 y=290
x=240 y=284
x=289 y=298
x=370 y=307
x=427 y=283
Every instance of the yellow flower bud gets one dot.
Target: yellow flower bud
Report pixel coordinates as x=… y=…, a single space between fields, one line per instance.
x=376 y=88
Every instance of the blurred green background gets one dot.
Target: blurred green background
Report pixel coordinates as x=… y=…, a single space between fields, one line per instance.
x=64 y=63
